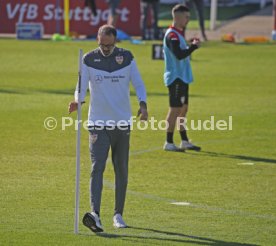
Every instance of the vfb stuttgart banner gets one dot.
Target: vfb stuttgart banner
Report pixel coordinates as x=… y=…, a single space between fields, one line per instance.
x=51 y=14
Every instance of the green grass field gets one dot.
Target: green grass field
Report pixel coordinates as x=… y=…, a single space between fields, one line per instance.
x=229 y=185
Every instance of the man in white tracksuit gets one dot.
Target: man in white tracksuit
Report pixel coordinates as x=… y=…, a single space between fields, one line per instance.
x=107 y=72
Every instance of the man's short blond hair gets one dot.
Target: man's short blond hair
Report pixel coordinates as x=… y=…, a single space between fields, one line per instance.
x=179 y=8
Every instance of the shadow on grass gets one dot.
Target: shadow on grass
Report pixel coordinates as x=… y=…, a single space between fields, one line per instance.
x=7 y=91
x=164 y=94
x=160 y=94
x=163 y=237
x=58 y=92
x=29 y=91
x=71 y=92
x=239 y=157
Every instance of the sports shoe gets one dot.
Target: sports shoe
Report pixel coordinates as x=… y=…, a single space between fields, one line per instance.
x=118 y=221
x=172 y=147
x=93 y=222
x=189 y=146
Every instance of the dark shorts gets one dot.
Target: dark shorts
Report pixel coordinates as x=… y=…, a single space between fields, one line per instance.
x=178 y=93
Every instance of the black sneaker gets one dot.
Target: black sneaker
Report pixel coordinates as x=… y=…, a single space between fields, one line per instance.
x=93 y=222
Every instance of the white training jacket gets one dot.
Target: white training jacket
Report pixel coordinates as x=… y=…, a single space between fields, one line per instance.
x=108 y=79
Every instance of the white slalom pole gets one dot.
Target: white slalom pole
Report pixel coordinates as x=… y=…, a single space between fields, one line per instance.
x=77 y=199
x=213 y=14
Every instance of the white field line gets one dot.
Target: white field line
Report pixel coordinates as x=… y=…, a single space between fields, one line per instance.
x=140 y=152
x=186 y=203
x=193 y=205
x=246 y=164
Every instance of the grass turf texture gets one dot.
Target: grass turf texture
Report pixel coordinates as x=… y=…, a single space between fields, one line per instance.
x=231 y=204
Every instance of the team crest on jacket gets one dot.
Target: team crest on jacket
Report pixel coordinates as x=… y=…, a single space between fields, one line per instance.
x=93 y=137
x=119 y=59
